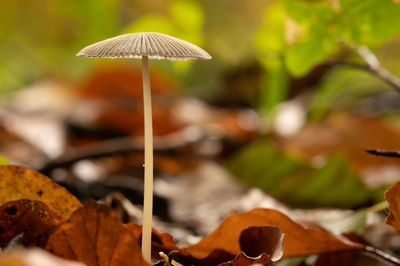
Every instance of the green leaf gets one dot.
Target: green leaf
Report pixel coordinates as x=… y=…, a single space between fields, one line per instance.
x=368 y=22
x=296 y=182
x=319 y=35
x=270 y=45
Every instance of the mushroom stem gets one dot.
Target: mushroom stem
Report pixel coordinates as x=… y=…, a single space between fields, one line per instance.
x=148 y=163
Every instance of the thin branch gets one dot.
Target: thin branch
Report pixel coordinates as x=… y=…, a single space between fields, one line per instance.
x=385 y=153
x=124 y=145
x=371 y=65
x=375 y=67
x=383 y=257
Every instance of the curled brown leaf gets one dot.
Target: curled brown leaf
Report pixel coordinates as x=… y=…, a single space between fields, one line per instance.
x=32 y=218
x=160 y=242
x=257 y=240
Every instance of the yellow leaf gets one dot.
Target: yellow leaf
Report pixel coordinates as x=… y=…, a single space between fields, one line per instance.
x=22 y=183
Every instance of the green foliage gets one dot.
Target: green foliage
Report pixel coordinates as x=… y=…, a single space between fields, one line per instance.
x=298 y=183
x=41 y=40
x=269 y=43
x=322 y=27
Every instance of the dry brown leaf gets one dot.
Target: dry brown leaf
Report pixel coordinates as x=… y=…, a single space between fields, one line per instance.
x=22 y=183
x=122 y=81
x=160 y=242
x=299 y=240
x=32 y=218
x=392 y=195
x=117 y=90
x=95 y=236
x=340 y=132
x=259 y=244
x=257 y=240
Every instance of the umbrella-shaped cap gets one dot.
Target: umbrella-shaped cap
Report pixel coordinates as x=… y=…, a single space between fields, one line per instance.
x=152 y=44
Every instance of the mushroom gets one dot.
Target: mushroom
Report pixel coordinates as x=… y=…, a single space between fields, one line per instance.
x=146 y=45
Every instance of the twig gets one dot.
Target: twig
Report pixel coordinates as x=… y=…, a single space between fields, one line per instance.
x=385 y=153
x=381 y=256
x=371 y=65
x=124 y=145
x=383 y=205
x=376 y=68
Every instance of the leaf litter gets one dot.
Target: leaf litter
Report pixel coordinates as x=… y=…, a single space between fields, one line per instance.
x=94 y=235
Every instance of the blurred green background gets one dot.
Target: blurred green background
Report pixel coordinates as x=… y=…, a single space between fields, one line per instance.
x=263 y=51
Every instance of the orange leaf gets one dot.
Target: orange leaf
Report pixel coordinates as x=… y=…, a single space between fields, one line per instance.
x=32 y=218
x=340 y=132
x=159 y=241
x=95 y=236
x=22 y=183
x=256 y=240
x=117 y=89
x=299 y=240
x=259 y=245
x=392 y=195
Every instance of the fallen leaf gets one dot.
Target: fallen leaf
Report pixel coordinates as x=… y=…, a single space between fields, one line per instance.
x=392 y=195
x=300 y=239
x=32 y=218
x=123 y=81
x=160 y=242
x=18 y=182
x=95 y=236
x=259 y=244
x=340 y=132
x=257 y=240
x=117 y=90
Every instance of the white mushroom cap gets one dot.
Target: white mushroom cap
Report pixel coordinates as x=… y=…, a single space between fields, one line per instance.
x=152 y=44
